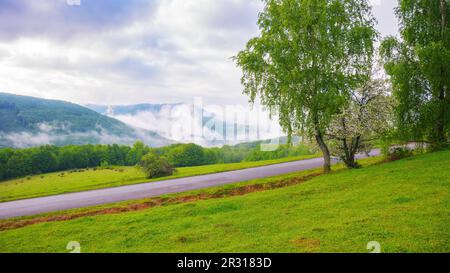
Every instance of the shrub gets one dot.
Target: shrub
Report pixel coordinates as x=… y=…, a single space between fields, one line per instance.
x=186 y=155
x=155 y=166
x=104 y=164
x=396 y=153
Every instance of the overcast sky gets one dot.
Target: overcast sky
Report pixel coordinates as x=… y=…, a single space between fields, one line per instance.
x=132 y=51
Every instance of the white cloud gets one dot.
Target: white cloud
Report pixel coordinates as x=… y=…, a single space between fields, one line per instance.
x=203 y=124
x=178 y=51
x=169 y=51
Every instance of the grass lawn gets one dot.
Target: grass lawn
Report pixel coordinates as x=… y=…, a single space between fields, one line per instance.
x=89 y=179
x=403 y=205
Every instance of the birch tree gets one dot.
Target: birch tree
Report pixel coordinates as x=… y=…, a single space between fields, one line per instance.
x=308 y=56
x=419 y=67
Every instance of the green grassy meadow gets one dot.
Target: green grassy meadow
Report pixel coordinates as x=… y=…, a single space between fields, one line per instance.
x=403 y=205
x=89 y=179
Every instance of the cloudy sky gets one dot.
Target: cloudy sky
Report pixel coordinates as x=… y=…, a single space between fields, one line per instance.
x=132 y=51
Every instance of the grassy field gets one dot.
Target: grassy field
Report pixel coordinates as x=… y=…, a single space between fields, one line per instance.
x=403 y=205
x=184 y=197
x=89 y=179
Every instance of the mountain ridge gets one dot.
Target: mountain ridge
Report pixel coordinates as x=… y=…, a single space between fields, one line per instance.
x=47 y=121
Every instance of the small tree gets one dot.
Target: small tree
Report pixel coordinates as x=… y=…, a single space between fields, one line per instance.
x=367 y=117
x=186 y=155
x=155 y=166
x=138 y=150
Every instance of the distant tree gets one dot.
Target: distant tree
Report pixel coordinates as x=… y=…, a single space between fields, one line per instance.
x=116 y=155
x=36 y=160
x=19 y=164
x=367 y=118
x=284 y=150
x=100 y=154
x=419 y=68
x=67 y=158
x=306 y=59
x=43 y=159
x=231 y=154
x=186 y=155
x=5 y=155
x=138 y=150
x=104 y=164
x=211 y=156
x=95 y=155
x=155 y=166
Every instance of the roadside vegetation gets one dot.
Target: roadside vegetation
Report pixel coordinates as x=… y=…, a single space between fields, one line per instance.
x=228 y=190
x=403 y=205
x=16 y=163
x=155 y=166
x=110 y=176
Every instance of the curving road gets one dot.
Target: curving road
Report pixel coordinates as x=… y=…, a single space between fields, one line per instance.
x=139 y=191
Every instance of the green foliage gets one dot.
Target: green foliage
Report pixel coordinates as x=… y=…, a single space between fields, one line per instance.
x=308 y=57
x=419 y=67
x=186 y=155
x=232 y=154
x=397 y=153
x=44 y=159
x=282 y=151
x=104 y=164
x=5 y=155
x=138 y=150
x=385 y=147
x=52 y=158
x=155 y=166
x=19 y=164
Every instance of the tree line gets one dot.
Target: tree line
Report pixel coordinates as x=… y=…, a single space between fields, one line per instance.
x=44 y=159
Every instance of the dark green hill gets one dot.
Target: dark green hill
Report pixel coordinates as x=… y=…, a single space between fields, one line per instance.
x=28 y=121
x=22 y=113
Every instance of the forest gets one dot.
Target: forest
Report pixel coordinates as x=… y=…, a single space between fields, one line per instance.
x=44 y=159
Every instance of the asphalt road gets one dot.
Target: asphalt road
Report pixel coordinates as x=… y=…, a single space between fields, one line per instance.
x=139 y=191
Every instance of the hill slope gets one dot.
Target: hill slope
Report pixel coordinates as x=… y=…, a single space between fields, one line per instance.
x=403 y=205
x=28 y=121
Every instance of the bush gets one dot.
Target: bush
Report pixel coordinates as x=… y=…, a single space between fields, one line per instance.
x=283 y=150
x=186 y=155
x=396 y=153
x=155 y=166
